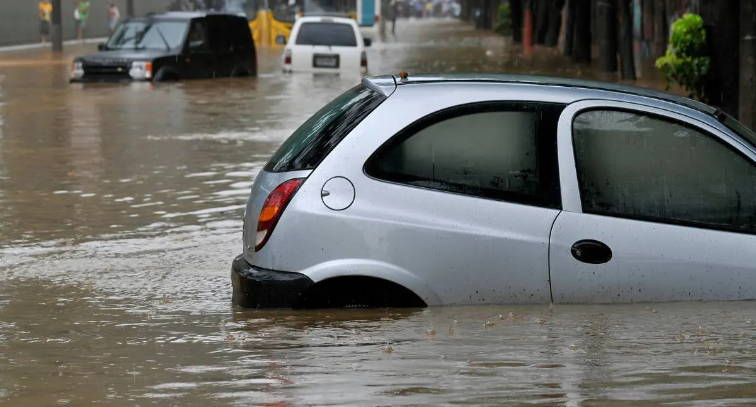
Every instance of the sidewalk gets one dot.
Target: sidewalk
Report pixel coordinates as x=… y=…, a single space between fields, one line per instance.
x=24 y=47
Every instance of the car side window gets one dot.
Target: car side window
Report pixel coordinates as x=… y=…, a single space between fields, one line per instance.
x=197 y=40
x=502 y=150
x=646 y=167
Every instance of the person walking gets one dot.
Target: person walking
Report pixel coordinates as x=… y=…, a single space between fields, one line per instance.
x=81 y=14
x=393 y=11
x=114 y=15
x=45 y=9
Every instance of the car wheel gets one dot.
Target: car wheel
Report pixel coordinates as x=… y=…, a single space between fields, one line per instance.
x=166 y=75
x=239 y=71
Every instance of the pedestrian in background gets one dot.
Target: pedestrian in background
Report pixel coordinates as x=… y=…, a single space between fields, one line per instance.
x=81 y=15
x=45 y=9
x=393 y=11
x=114 y=15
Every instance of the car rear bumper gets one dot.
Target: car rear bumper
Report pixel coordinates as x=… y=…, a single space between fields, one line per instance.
x=105 y=79
x=255 y=287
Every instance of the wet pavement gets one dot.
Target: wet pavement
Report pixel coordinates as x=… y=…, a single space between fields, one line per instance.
x=121 y=211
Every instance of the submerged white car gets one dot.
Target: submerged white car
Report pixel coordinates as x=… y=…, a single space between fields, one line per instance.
x=494 y=189
x=326 y=45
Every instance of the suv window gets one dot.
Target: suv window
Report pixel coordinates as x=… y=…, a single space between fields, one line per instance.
x=504 y=151
x=646 y=167
x=314 y=139
x=197 y=40
x=139 y=34
x=336 y=34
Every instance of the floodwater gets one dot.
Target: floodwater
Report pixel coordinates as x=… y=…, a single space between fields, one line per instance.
x=121 y=212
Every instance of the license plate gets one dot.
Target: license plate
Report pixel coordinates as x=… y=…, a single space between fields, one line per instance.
x=325 y=61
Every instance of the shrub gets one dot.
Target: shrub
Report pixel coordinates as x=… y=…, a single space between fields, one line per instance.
x=504 y=19
x=685 y=61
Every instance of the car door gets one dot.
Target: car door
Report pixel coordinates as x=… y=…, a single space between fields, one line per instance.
x=220 y=31
x=464 y=199
x=199 y=60
x=657 y=207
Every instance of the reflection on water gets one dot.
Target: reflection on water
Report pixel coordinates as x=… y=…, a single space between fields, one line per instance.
x=121 y=213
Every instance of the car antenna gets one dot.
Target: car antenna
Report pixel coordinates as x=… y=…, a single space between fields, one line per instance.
x=403 y=75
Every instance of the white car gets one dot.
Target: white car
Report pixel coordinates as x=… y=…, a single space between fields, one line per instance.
x=325 y=44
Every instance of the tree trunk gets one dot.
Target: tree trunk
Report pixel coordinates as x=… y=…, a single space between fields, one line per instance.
x=581 y=40
x=606 y=27
x=569 y=29
x=661 y=33
x=625 y=27
x=721 y=20
x=541 y=20
x=130 y=8
x=554 y=23
x=747 y=108
x=515 y=7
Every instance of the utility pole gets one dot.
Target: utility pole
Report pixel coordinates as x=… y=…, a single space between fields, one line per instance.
x=130 y=8
x=56 y=27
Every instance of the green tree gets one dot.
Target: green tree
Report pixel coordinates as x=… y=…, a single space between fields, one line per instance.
x=504 y=19
x=685 y=61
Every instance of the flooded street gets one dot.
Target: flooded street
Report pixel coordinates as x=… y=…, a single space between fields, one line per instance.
x=121 y=213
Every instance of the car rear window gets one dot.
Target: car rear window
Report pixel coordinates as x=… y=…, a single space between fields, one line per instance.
x=336 y=34
x=314 y=139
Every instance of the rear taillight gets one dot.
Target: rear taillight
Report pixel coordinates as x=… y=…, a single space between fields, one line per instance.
x=273 y=208
x=287 y=57
x=363 y=59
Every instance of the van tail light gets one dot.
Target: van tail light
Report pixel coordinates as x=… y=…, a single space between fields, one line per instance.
x=287 y=57
x=272 y=209
x=363 y=61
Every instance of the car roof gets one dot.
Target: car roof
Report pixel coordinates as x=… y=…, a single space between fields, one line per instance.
x=325 y=19
x=408 y=79
x=183 y=15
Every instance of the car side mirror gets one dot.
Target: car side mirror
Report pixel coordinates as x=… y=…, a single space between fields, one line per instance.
x=368 y=42
x=102 y=46
x=281 y=39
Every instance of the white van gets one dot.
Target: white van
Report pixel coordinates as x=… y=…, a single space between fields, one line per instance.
x=325 y=44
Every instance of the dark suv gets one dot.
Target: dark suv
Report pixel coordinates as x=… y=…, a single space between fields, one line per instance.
x=172 y=46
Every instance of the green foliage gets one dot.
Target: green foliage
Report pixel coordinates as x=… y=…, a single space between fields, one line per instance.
x=685 y=61
x=504 y=19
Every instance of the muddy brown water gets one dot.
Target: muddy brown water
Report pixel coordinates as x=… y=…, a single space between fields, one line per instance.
x=121 y=209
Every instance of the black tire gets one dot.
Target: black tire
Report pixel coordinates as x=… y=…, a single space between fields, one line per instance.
x=166 y=75
x=239 y=72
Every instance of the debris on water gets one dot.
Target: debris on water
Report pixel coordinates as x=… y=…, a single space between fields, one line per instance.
x=430 y=332
x=488 y=324
x=387 y=348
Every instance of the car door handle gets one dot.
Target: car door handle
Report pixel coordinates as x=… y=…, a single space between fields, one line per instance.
x=591 y=251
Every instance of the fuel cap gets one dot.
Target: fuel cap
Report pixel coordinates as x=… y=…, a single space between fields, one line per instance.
x=337 y=193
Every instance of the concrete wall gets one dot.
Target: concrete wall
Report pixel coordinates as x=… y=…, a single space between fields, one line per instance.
x=19 y=22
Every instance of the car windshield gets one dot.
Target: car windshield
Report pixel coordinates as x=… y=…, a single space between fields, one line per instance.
x=148 y=35
x=335 y=34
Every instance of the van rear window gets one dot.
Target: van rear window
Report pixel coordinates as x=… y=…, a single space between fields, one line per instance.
x=335 y=34
x=314 y=139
